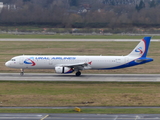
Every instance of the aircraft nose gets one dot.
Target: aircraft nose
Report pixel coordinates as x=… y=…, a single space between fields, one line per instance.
x=7 y=64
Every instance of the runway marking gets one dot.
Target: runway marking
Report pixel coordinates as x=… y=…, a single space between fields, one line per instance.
x=136 y=117
x=45 y=117
x=116 y=117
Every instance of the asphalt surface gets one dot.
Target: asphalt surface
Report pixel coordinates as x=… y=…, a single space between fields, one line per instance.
x=79 y=117
x=75 y=40
x=83 y=77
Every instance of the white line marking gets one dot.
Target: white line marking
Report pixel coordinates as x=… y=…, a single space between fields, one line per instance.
x=45 y=117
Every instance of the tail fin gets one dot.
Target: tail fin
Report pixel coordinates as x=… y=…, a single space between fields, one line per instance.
x=141 y=49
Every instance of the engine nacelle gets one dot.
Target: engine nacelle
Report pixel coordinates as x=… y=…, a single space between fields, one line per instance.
x=64 y=70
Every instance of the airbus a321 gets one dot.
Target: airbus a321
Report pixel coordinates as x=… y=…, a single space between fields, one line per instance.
x=69 y=64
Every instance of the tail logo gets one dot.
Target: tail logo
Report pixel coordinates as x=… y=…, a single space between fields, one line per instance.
x=30 y=61
x=139 y=50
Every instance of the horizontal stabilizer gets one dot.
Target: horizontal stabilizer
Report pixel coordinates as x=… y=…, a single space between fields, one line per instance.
x=139 y=60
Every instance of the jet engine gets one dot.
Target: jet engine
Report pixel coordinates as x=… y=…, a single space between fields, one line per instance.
x=63 y=70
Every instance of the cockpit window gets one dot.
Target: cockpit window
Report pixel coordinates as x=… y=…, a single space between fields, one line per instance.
x=13 y=59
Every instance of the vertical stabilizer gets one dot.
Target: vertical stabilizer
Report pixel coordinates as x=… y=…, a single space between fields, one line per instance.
x=141 y=49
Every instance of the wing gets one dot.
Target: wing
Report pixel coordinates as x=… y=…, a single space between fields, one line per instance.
x=77 y=66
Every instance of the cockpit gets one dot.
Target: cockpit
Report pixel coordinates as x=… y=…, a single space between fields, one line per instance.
x=13 y=60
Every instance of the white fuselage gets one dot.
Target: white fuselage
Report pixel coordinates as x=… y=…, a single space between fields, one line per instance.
x=50 y=62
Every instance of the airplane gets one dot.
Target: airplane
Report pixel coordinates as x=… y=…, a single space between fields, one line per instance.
x=64 y=64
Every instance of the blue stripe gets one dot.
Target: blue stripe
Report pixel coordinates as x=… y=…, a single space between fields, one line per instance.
x=130 y=64
x=147 y=42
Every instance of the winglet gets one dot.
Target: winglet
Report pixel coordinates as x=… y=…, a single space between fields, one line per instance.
x=141 y=49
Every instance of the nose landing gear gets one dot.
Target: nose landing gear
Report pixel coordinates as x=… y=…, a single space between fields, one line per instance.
x=22 y=72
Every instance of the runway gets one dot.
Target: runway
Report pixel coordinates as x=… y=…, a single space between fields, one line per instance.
x=83 y=77
x=102 y=40
x=79 y=116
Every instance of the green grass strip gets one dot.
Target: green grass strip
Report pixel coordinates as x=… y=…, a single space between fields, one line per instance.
x=93 y=111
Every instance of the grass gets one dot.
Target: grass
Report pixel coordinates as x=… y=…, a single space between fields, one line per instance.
x=70 y=36
x=79 y=94
x=89 y=111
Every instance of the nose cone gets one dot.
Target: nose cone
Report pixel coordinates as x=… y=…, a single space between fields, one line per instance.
x=7 y=64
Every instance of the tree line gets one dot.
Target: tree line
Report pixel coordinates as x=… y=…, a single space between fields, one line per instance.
x=58 y=13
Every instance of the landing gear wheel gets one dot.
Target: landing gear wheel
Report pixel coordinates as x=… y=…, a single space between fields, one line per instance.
x=78 y=73
x=21 y=73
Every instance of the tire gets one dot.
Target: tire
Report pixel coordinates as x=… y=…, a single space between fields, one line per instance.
x=78 y=73
x=21 y=73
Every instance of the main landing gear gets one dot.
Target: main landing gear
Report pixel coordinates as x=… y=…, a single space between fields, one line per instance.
x=22 y=72
x=78 y=73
